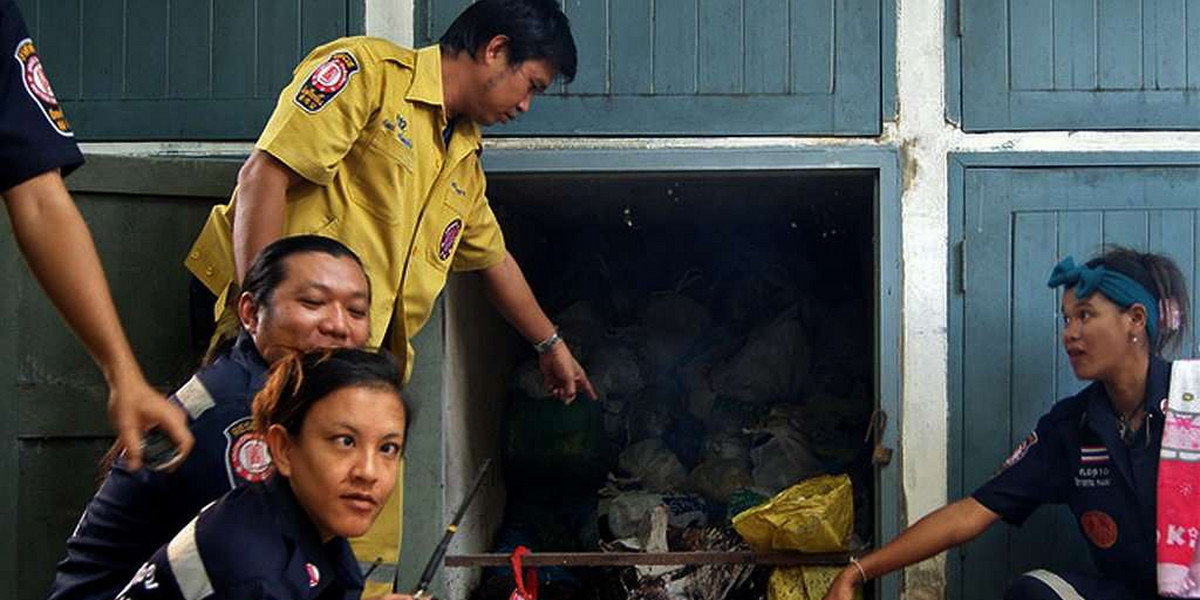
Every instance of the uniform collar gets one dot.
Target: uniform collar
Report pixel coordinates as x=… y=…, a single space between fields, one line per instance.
x=245 y=353
x=426 y=88
x=334 y=561
x=426 y=84
x=1103 y=421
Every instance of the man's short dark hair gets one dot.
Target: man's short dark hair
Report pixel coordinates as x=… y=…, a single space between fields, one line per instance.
x=267 y=271
x=536 y=29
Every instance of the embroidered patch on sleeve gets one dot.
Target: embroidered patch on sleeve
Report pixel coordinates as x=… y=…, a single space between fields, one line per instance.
x=326 y=82
x=38 y=86
x=449 y=236
x=246 y=455
x=1030 y=441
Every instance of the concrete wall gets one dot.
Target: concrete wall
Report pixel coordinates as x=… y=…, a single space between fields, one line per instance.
x=924 y=138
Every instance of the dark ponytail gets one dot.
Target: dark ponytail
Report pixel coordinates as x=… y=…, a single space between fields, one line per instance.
x=1160 y=275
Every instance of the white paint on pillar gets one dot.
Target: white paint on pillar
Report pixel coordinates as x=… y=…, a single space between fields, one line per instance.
x=390 y=19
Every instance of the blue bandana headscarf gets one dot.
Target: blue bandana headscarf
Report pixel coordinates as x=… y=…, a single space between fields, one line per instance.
x=1121 y=289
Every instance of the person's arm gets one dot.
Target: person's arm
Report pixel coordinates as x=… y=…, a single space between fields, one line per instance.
x=59 y=249
x=508 y=290
x=938 y=531
x=263 y=182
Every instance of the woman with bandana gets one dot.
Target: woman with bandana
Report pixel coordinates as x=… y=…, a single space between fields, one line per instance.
x=1097 y=451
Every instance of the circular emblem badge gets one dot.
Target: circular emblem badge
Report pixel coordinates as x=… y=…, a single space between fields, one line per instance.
x=314 y=575
x=449 y=235
x=1100 y=528
x=39 y=84
x=330 y=76
x=250 y=458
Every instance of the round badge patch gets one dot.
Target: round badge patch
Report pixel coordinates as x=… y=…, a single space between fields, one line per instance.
x=33 y=75
x=330 y=76
x=1100 y=528
x=314 y=575
x=449 y=236
x=250 y=458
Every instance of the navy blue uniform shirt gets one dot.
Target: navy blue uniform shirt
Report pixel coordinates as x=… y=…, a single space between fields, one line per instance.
x=256 y=543
x=34 y=134
x=136 y=512
x=1076 y=457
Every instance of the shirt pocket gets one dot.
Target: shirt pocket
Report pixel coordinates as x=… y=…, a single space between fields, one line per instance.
x=385 y=176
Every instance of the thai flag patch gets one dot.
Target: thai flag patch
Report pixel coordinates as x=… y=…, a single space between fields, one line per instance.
x=1093 y=454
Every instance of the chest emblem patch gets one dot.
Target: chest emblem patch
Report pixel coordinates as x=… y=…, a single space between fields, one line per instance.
x=1093 y=454
x=1100 y=528
x=449 y=236
x=246 y=455
x=314 y=574
x=38 y=87
x=326 y=82
x=1022 y=449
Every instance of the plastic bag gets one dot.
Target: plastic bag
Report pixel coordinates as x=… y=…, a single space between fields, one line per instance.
x=651 y=462
x=771 y=366
x=672 y=323
x=614 y=371
x=815 y=515
x=803 y=583
x=717 y=479
x=781 y=456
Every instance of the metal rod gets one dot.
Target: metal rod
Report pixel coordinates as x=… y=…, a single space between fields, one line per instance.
x=625 y=559
x=440 y=551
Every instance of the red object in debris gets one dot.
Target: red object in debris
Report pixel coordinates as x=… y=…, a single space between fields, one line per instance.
x=527 y=579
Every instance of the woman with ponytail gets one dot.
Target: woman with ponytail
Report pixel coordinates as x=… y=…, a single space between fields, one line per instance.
x=334 y=423
x=1098 y=452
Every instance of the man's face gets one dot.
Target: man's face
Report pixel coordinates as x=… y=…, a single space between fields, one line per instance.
x=322 y=302
x=506 y=90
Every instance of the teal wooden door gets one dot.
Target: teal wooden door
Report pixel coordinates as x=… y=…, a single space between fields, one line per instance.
x=1080 y=64
x=177 y=69
x=695 y=67
x=1017 y=223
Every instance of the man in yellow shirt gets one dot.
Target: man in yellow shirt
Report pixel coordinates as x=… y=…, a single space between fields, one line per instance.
x=378 y=147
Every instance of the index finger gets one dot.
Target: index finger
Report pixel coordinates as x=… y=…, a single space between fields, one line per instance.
x=131 y=438
x=174 y=424
x=586 y=384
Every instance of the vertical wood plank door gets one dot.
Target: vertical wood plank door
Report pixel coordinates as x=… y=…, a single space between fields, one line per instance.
x=1017 y=224
x=696 y=67
x=1080 y=64
x=177 y=69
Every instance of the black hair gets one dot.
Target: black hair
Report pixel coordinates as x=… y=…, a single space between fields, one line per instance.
x=536 y=29
x=267 y=271
x=298 y=380
x=1160 y=275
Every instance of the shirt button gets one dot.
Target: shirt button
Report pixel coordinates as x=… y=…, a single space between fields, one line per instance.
x=194 y=255
x=208 y=271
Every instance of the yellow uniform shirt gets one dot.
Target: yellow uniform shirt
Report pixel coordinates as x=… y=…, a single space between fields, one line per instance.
x=362 y=122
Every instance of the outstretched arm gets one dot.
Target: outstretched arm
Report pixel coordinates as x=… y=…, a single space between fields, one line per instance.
x=938 y=531
x=60 y=252
x=510 y=293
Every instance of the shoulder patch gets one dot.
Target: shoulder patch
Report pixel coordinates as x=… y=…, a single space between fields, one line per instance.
x=38 y=86
x=326 y=81
x=195 y=397
x=1022 y=449
x=247 y=458
x=449 y=236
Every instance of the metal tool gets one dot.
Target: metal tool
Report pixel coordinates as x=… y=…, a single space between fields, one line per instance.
x=439 y=552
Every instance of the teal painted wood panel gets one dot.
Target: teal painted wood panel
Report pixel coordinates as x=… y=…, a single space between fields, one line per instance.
x=1080 y=64
x=177 y=69
x=694 y=67
x=1016 y=224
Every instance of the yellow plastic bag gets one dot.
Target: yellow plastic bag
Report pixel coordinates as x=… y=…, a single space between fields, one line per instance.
x=803 y=583
x=815 y=515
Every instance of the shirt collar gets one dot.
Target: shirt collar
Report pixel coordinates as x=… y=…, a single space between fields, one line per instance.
x=426 y=85
x=334 y=560
x=245 y=353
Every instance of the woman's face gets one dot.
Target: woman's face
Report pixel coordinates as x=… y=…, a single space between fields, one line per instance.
x=342 y=465
x=1097 y=335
